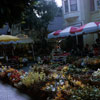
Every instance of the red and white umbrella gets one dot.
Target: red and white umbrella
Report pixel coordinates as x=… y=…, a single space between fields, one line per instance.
x=74 y=31
x=55 y=34
x=88 y=28
x=69 y=31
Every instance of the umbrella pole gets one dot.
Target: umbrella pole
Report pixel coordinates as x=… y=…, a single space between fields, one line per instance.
x=32 y=50
x=3 y=52
x=12 y=52
x=76 y=39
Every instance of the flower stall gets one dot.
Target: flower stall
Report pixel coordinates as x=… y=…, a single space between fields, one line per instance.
x=42 y=83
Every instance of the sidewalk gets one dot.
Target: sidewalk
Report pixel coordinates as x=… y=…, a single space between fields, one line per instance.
x=9 y=93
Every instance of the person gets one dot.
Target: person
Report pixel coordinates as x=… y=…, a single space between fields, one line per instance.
x=95 y=50
x=59 y=49
x=56 y=51
x=97 y=41
x=45 y=60
x=86 y=50
x=39 y=60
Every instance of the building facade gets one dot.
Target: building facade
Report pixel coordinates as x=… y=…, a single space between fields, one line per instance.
x=80 y=12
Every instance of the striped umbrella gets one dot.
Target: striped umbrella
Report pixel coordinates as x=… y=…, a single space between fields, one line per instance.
x=55 y=34
x=88 y=28
x=69 y=31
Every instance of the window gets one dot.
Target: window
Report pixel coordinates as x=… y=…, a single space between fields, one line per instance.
x=73 y=5
x=66 y=5
x=92 y=5
x=98 y=2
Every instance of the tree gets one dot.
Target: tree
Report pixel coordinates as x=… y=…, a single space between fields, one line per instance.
x=37 y=18
x=11 y=10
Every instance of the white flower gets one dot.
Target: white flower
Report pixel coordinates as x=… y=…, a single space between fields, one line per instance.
x=53 y=89
x=15 y=84
x=13 y=79
x=82 y=64
x=9 y=74
x=57 y=83
x=57 y=77
x=20 y=83
x=26 y=73
x=62 y=83
x=22 y=77
x=96 y=73
x=51 y=86
x=48 y=88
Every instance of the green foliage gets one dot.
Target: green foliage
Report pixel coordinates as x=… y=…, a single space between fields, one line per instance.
x=40 y=68
x=87 y=93
x=39 y=15
x=11 y=10
x=72 y=69
x=33 y=78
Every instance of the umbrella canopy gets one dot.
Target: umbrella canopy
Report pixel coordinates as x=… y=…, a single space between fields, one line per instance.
x=55 y=34
x=74 y=31
x=24 y=38
x=88 y=28
x=69 y=31
x=7 y=38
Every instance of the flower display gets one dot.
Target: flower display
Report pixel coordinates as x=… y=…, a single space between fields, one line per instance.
x=96 y=73
x=33 y=77
x=67 y=82
x=15 y=76
x=96 y=76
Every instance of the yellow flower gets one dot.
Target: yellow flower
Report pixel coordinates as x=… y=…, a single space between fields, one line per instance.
x=69 y=77
x=63 y=87
x=66 y=84
x=82 y=86
x=55 y=75
x=47 y=84
x=53 y=82
x=65 y=68
x=58 y=88
x=63 y=76
x=78 y=83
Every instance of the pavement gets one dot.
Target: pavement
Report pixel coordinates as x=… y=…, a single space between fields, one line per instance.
x=7 y=92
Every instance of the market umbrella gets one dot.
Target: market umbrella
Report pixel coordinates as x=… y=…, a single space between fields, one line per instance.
x=7 y=39
x=69 y=31
x=55 y=34
x=24 y=39
x=88 y=28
